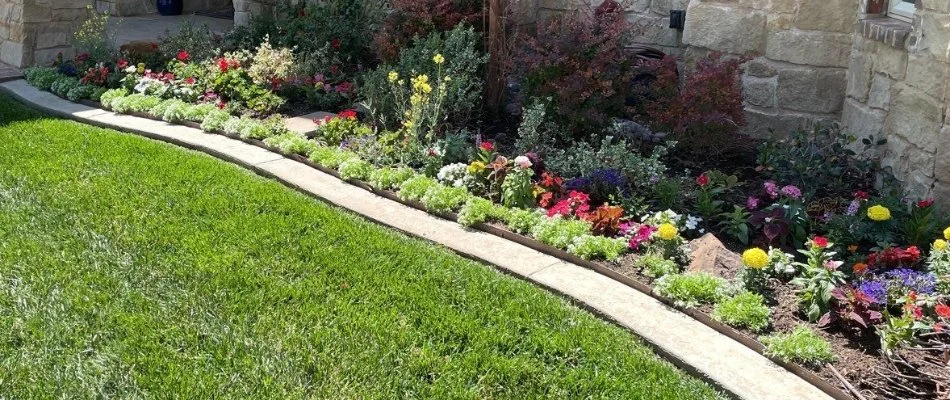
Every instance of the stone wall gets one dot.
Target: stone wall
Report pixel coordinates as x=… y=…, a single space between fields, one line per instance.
x=35 y=31
x=244 y=10
x=898 y=89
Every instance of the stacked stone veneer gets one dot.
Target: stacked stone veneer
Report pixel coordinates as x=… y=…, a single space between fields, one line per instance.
x=898 y=89
x=34 y=31
x=244 y=10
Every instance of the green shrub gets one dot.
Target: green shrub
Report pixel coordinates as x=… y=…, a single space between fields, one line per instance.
x=441 y=198
x=692 y=288
x=478 y=210
x=590 y=247
x=416 y=187
x=522 y=221
x=97 y=93
x=41 y=77
x=330 y=157
x=389 y=178
x=63 y=85
x=80 y=92
x=462 y=63
x=355 y=168
x=517 y=190
x=655 y=266
x=801 y=345
x=559 y=232
x=745 y=310
x=215 y=120
x=198 y=41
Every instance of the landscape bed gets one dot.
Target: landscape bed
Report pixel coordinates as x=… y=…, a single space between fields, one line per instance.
x=630 y=181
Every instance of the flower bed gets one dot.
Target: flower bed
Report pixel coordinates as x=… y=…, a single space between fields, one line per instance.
x=862 y=301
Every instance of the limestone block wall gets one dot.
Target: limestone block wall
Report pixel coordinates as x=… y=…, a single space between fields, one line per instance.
x=899 y=90
x=244 y=10
x=35 y=31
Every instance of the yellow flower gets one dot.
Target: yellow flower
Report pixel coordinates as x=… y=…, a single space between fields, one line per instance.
x=667 y=231
x=476 y=167
x=946 y=233
x=438 y=59
x=140 y=68
x=407 y=124
x=755 y=258
x=940 y=244
x=879 y=213
x=447 y=78
x=393 y=76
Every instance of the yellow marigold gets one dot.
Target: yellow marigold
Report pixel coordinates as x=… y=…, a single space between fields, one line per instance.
x=438 y=59
x=140 y=68
x=940 y=244
x=393 y=76
x=879 y=213
x=667 y=231
x=476 y=167
x=755 y=258
x=946 y=233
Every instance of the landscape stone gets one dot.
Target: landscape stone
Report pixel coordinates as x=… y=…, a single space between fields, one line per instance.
x=710 y=255
x=305 y=124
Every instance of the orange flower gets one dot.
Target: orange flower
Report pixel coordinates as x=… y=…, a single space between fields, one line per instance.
x=860 y=268
x=853 y=248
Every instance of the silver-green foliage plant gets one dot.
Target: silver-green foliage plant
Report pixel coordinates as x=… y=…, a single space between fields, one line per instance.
x=111 y=95
x=63 y=85
x=389 y=177
x=355 y=168
x=441 y=198
x=133 y=103
x=559 y=232
x=215 y=120
x=581 y=159
x=80 y=92
x=745 y=310
x=97 y=93
x=591 y=247
x=416 y=187
x=250 y=128
x=291 y=143
x=478 y=210
x=198 y=112
x=801 y=345
x=330 y=157
x=692 y=288
x=655 y=266
x=522 y=221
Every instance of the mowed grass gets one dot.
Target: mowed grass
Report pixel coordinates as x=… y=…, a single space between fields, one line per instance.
x=130 y=268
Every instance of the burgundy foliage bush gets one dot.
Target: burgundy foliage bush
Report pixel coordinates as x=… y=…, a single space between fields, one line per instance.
x=578 y=60
x=418 y=18
x=704 y=112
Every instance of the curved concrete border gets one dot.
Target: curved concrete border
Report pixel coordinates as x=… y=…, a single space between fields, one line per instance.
x=686 y=342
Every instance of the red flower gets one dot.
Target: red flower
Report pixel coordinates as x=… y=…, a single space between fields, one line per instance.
x=348 y=114
x=169 y=76
x=943 y=311
x=861 y=195
x=183 y=56
x=122 y=63
x=487 y=146
x=190 y=80
x=925 y=203
x=702 y=180
x=335 y=43
x=223 y=64
x=918 y=313
x=820 y=241
x=154 y=45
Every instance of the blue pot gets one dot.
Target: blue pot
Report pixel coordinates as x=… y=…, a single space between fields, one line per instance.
x=169 y=7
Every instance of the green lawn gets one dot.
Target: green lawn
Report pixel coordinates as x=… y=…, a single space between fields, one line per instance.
x=130 y=268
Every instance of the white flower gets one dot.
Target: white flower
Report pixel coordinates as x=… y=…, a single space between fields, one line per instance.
x=523 y=162
x=130 y=69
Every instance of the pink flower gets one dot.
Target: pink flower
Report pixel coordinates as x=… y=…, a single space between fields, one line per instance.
x=792 y=191
x=820 y=241
x=487 y=146
x=752 y=203
x=771 y=189
x=122 y=63
x=702 y=180
x=335 y=43
x=523 y=162
x=861 y=195
x=925 y=203
x=833 y=265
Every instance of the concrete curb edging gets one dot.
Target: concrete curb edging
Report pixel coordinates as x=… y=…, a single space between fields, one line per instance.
x=688 y=343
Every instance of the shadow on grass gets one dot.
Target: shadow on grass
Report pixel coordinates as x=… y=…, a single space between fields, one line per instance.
x=12 y=111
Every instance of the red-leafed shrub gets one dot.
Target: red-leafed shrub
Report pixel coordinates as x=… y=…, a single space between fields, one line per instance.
x=578 y=60
x=704 y=112
x=418 y=18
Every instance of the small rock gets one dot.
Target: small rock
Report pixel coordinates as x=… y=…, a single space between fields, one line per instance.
x=711 y=256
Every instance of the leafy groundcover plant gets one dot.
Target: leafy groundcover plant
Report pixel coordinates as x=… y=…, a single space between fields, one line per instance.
x=801 y=345
x=692 y=288
x=745 y=310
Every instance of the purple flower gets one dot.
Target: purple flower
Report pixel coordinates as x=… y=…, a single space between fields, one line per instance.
x=876 y=290
x=853 y=207
x=905 y=280
x=771 y=189
x=792 y=192
x=752 y=203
